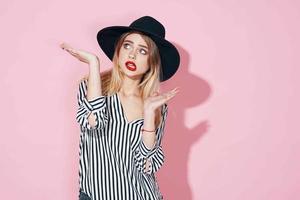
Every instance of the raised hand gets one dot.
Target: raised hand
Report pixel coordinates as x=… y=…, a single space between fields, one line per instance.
x=156 y=100
x=82 y=55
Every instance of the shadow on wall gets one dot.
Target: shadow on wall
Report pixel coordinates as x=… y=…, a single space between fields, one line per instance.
x=178 y=138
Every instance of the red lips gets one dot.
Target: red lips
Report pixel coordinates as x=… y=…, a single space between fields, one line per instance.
x=130 y=65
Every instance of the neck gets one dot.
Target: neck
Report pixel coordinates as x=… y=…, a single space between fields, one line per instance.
x=130 y=87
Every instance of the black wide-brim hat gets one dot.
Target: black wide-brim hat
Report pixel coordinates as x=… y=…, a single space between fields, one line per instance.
x=169 y=55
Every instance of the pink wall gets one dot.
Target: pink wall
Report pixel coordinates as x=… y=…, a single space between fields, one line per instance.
x=233 y=130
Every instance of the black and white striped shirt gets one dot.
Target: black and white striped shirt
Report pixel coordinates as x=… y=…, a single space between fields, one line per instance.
x=113 y=154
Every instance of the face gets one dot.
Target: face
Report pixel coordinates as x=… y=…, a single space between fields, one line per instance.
x=133 y=56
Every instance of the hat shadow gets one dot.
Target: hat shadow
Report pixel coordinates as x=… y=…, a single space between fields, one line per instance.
x=178 y=138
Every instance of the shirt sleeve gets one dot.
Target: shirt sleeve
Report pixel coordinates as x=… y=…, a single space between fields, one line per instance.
x=154 y=155
x=96 y=106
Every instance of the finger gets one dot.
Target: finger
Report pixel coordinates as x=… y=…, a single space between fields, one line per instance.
x=155 y=94
x=68 y=48
x=166 y=95
x=72 y=51
x=165 y=98
x=168 y=98
x=158 y=97
x=172 y=94
x=175 y=90
x=64 y=46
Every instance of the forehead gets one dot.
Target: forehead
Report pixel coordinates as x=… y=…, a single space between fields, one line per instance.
x=136 y=39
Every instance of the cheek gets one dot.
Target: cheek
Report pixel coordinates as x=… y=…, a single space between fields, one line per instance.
x=144 y=61
x=122 y=54
x=143 y=65
x=122 y=57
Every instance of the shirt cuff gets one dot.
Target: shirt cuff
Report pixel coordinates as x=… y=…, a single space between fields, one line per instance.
x=145 y=151
x=93 y=104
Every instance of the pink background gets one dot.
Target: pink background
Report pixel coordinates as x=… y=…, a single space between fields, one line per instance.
x=232 y=132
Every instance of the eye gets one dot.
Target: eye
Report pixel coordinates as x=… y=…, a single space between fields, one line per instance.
x=143 y=51
x=126 y=45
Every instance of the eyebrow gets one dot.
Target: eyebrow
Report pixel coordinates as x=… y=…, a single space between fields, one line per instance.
x=139 y=44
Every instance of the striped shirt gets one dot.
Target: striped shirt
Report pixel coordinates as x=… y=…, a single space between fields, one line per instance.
x=112 y=154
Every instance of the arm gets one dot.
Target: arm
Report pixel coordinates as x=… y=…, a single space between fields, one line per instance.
x=94 y=85
x=149 y=160
x=95 y=107
x=91 y=101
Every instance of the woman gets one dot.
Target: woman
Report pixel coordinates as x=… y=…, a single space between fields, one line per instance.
x=121 y=113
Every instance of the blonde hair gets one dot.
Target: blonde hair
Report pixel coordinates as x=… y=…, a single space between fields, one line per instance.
x=111 y=80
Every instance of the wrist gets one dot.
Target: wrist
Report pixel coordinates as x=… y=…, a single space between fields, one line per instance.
x=94 y=61
x=149 y=112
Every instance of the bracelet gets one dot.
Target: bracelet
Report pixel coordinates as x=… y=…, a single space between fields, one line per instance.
x=147 y=130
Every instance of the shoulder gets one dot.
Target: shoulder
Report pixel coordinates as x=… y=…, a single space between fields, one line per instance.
x=83 y=79
x=164 y=108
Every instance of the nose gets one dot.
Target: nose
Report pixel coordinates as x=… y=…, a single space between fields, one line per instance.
x=132 y=53
x=131 y=56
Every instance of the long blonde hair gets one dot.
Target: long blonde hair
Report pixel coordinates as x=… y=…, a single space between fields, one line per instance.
x=111 y=80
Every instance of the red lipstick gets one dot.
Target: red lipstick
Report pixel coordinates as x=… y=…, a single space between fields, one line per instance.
x=130 y=65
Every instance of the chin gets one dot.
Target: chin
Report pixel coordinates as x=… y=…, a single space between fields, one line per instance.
x=133 y=75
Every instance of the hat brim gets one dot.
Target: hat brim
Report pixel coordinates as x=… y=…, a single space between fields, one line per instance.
x=170 y=58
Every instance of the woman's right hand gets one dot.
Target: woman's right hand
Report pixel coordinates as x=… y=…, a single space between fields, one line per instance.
x=82 y=55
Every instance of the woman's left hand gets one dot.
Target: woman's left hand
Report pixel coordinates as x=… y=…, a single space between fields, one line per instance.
x=156 y=100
